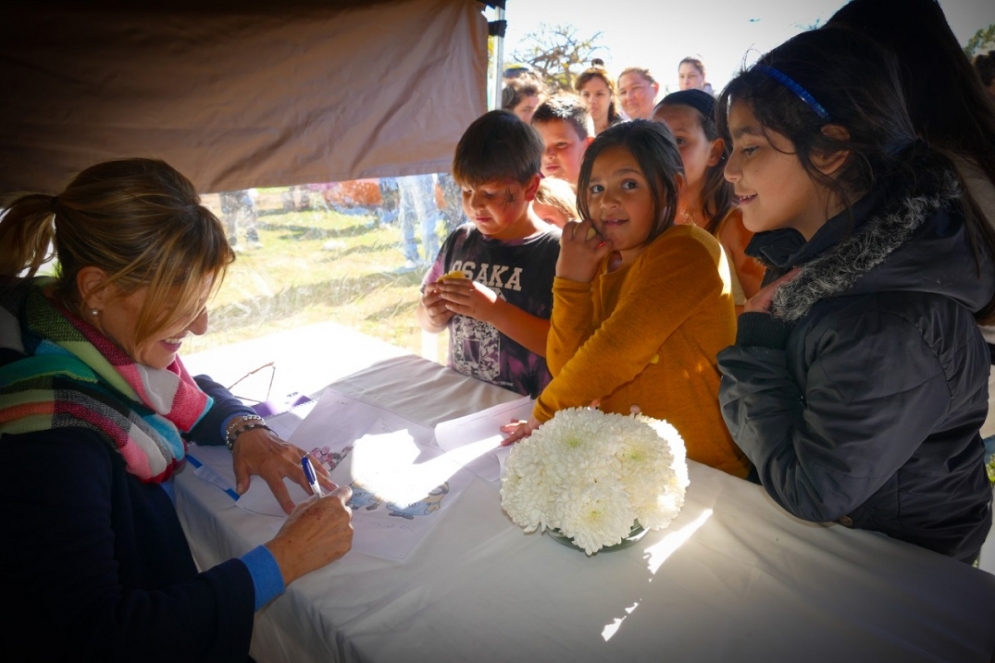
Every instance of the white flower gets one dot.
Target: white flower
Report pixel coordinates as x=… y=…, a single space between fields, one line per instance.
x=590 y=475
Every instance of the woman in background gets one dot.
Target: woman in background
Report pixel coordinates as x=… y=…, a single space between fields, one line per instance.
x=596 y=87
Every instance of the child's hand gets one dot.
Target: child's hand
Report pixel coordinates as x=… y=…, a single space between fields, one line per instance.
x=762 y=301
x=435 y=306
x=519 y=430
x=581 y=251
x=468 y=298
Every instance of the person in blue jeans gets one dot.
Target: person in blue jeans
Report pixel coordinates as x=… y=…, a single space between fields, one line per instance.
x=418 y=207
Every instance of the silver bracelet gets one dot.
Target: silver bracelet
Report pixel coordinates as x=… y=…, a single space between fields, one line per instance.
x=247 y=423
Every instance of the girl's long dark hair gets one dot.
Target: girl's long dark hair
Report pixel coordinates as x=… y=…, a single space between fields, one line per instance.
x=602 y=73
x=716 y=197
x=948 y=106
x=857 y=83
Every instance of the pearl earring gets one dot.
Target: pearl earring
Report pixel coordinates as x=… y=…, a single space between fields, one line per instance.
x=94 y=311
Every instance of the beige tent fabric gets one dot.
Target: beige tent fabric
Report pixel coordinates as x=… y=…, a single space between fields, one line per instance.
x=237 y=95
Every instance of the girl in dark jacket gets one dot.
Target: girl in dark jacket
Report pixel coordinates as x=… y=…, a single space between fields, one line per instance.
x=858 y=381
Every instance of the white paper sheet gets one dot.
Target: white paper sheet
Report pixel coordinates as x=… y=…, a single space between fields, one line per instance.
x=335 y=421
x=474 y=441
x=401 y=490
x=401 y=485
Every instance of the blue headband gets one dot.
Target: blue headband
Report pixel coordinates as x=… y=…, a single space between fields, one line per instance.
x=789 y=83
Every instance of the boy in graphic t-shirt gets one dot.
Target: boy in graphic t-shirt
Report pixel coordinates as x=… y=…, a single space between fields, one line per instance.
x=492 y=282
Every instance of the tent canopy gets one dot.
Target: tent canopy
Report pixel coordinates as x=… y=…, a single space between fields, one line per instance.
x=239 y=94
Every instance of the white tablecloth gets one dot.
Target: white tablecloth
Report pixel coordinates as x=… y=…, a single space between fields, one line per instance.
x=734 y=578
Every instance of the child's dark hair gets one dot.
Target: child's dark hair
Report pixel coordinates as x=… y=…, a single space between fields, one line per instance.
x=599 y=71
x=567 y=107
x=655 y=150
x=497 y=146
x=829 y=77
x=984 y=65
x=716 y=195
x=948 y=107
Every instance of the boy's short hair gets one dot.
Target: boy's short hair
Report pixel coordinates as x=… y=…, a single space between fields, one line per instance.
x=498 y=146
x=567 y=107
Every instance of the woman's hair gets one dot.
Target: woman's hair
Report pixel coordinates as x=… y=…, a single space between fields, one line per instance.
x=518 y=89
x=559 y=195
x=949 y=109
x=694 y=62
x=653 y=147
x=829 y=77
x=639 y=71
x=139 y=221
x=984 y=65
x=497 y=146
x=716 y=195
x=602 y=73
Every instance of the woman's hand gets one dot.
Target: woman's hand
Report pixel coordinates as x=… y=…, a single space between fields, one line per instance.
x=519 y=430
x=260 y=451
x=761 y=302
x=468 y=298
x=317 y=532
x=582 y=250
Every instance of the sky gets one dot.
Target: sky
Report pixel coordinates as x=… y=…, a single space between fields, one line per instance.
x=658 y=34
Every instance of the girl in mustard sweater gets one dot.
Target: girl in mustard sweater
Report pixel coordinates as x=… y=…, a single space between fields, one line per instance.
x=640 y=306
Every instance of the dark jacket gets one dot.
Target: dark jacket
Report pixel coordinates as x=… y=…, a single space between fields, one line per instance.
x=94 y=564
x=860 y=399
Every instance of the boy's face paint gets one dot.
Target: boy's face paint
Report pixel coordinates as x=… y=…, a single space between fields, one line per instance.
x=500 y=208
x=773 y=188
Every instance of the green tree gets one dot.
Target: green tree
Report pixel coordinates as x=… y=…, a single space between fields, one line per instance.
x=558 y=53
x=983 y=40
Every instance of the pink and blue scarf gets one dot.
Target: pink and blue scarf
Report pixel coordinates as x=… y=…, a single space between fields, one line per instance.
x=61 y=372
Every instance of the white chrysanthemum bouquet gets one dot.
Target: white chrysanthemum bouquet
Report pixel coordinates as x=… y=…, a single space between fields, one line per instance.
x=591 y=475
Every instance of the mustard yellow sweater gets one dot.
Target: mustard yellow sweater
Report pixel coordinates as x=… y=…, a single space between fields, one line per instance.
x=647 y=335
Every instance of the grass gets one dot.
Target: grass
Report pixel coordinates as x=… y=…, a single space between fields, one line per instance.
x=316 y=265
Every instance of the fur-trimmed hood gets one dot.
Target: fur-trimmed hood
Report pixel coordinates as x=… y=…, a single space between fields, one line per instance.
x=917 y=242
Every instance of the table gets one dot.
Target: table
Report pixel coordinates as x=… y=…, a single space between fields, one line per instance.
x=734 y=578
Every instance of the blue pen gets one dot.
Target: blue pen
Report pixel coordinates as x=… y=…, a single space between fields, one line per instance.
x=310 y=476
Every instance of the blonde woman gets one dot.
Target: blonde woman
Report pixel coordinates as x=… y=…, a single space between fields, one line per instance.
x=95 y=411
x=637 y=90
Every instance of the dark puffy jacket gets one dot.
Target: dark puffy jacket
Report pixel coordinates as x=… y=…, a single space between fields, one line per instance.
x=859 y=400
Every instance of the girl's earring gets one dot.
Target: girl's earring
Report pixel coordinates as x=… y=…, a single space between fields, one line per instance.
x=94 y=311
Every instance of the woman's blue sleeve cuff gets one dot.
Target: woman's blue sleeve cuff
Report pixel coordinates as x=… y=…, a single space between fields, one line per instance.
x=265 y=572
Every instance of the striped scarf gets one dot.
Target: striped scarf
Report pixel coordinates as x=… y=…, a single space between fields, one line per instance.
x=61 y=372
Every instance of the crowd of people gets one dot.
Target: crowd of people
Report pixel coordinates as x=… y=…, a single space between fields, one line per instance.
x=798 y=275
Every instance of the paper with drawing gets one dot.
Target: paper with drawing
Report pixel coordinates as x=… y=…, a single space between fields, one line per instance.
x=401 y=485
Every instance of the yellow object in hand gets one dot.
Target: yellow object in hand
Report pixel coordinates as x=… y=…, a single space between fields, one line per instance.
x=591 y=232
x=455 y=274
